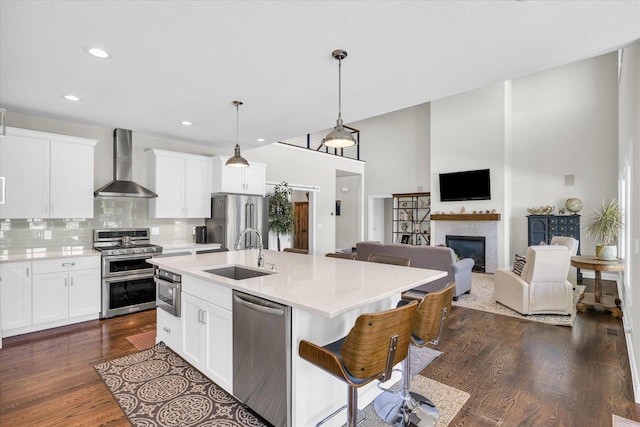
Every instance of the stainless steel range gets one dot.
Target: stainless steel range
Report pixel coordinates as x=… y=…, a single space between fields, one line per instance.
x=127 y=279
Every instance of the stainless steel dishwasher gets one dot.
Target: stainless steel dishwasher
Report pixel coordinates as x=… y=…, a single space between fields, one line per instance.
x=262 y=357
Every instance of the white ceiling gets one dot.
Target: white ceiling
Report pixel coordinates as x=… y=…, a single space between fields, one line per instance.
x=188 y=60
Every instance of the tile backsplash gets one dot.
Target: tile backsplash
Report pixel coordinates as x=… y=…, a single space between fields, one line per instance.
x=112 y=212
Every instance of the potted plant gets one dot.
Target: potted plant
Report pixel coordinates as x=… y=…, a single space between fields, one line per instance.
x=605 y=225
x=280 y=211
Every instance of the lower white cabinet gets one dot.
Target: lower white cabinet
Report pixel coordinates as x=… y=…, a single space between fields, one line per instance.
x=207 y=340
x=15 y=295
x=66 y=288
x=169 y=330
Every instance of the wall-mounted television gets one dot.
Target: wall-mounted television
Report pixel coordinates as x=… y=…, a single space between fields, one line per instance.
x=466 y=185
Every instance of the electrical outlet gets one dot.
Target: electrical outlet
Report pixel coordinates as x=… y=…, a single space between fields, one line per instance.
x=155 y=230
x=47 y=234
x=636 y=246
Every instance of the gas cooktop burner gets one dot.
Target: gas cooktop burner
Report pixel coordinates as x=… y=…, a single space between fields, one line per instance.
x=124 y=241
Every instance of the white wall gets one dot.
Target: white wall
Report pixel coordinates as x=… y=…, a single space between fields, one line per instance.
x=629 y=170
x=531 y=132
x=348 y=222
x=395 y=147
x=564 y=123
x=306 y=167
x=467 y=133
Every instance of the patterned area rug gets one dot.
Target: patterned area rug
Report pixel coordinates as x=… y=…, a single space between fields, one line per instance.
x=157 y=388
x=481 y=298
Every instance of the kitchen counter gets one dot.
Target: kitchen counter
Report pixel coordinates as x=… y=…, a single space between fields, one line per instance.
x=326 y=295
x=322 y=285
x=187 y=246
x=48 y=253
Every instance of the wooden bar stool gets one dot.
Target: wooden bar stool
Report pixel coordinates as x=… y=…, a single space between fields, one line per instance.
x=389 y=259
x=297 y=251
x=402 y=407
x=373 y=346
x=341 y=255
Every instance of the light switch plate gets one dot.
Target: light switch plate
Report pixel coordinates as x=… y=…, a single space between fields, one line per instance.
x=636 y=246
x=47 y=234
x=155 y=230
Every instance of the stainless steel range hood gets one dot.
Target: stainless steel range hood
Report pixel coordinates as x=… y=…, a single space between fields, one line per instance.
x=122 y=186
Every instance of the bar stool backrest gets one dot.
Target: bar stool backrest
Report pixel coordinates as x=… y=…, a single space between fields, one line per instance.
x=366 y=348
x=389 y=259
x=341 y=255
x=297 y=251
x=429 y=319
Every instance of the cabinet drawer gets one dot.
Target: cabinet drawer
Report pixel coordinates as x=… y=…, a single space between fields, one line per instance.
x=207 y=291
x=553 y=220
x=574 y=220
x=65 y=264
x=169 y=330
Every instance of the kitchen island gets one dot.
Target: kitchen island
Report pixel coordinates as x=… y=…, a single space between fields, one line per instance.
x=326 y=295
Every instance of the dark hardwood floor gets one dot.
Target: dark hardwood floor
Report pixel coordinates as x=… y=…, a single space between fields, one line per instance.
x=518 y=373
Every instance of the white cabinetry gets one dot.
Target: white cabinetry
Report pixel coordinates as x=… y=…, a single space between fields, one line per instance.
x=249 y=180
x=182 y=182
x=169 y=330
x=207 y=330
x=15 y=295
x=45 y=175
x=66 y=289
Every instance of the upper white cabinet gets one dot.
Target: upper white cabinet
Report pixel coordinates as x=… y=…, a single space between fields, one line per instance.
x=45 y=175
x=182 y=182
x=249 y=180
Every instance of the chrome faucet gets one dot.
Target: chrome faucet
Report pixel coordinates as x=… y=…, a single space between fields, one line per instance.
x=260 y=247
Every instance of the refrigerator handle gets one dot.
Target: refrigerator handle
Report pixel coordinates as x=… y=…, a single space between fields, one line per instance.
x=253 y=224
x=247 y=224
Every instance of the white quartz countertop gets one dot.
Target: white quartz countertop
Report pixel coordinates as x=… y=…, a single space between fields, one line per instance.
x=37 y=254
x=191 y=245
x=327 y=286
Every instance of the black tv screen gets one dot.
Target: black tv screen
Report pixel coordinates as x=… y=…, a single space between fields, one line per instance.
x=467 y=185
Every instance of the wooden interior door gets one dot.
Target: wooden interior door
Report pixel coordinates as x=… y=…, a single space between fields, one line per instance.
x=301 y=225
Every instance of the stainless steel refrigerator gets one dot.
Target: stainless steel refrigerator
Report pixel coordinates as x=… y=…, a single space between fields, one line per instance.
x=232 y=213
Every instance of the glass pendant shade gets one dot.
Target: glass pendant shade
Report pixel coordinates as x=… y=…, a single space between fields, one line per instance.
x=339 y=137
x=237 y=161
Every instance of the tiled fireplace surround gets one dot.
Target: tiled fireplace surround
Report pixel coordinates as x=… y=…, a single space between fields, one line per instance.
x=471 y=227
x=16 y=235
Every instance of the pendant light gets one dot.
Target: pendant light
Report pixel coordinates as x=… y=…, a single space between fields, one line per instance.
x=237 y=161
x=339 y=137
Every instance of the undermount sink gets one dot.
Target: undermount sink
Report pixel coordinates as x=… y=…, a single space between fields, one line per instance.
x=237 y=272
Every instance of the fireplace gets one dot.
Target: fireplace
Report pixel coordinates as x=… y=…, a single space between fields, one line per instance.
x=469 y=247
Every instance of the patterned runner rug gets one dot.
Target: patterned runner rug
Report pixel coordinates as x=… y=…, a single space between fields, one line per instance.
x=481 y=298
x=156 y=387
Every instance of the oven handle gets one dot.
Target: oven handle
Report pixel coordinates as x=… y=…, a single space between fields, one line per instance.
x=162 y=282
x=125 y=257
x=128 y=277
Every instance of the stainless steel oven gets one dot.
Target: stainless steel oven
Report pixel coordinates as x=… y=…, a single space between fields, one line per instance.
x=127 y=277
x=168 y=291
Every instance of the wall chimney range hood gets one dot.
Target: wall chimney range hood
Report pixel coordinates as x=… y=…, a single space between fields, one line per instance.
x=122 y=185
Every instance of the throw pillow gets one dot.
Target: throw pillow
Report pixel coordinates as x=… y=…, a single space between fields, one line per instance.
x=518 y=264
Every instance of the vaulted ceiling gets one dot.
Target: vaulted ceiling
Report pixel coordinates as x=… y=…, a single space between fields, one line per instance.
x=188 y=60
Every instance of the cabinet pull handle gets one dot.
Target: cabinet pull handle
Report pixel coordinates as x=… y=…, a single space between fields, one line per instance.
x=2 y=190
x=199 y=316
x=204 y=318
x=71 y=281
x=68 y=264
x=27 y=271
x=166 y=329
x=65 y=282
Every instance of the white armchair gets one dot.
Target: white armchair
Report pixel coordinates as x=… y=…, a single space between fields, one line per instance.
x=572 y=244
x=543 y=287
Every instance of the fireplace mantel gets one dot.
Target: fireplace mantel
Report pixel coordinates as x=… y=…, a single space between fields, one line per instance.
x=466 y=217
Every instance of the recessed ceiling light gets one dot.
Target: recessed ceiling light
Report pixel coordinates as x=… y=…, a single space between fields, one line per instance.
x=260 y=139
x=186 y=123
x=97 y=52
x=71 y=98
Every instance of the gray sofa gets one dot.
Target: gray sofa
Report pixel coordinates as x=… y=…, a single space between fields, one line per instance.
x=432 y=257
